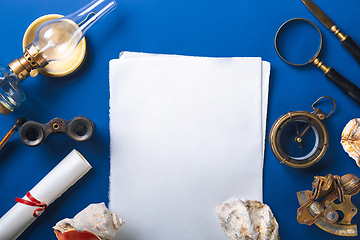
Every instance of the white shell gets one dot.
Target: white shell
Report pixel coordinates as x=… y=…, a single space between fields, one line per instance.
x=350 y=139
x=95 y=218
x=247 y=219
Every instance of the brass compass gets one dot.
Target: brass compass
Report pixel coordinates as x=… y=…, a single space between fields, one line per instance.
x=299 y=139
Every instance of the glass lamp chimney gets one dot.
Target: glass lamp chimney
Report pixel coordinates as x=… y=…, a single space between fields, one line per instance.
x=55 y=40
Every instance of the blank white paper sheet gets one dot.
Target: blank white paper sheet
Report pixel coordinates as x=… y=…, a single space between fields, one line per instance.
x=187 y=133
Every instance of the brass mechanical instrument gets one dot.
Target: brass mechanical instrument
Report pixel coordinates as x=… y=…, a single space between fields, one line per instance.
x=328 y=205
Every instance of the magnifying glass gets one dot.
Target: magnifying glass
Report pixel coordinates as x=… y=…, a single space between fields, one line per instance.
x=299 y=48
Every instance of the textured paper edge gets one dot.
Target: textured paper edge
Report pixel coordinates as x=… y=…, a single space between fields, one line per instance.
x=265 y=78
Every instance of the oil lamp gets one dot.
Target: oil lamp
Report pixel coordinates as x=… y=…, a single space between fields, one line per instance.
x=55 y=40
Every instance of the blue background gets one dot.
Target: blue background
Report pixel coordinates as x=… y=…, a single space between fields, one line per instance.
x=215 y=28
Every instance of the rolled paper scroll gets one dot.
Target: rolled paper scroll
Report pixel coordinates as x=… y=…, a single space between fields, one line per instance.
x=57 y=181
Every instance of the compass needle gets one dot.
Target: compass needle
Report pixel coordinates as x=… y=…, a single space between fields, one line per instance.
x=298 y=139
x=297 y=129
x=305 y=130
x=301 y=152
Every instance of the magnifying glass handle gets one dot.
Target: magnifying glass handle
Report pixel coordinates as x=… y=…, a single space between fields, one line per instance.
x=350 y=45
x=345 y=85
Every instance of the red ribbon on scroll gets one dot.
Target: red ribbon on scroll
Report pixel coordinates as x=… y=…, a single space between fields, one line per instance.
x=33 y=202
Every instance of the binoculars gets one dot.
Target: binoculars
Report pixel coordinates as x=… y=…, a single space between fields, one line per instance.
x=79 y=128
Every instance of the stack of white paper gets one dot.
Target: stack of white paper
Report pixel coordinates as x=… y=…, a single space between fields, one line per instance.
x=187 y=133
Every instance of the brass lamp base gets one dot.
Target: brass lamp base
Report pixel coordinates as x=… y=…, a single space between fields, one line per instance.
x=3 y=110
x=55 y=68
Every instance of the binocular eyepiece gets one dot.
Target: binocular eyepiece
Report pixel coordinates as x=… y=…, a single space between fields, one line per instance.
x=80 y=128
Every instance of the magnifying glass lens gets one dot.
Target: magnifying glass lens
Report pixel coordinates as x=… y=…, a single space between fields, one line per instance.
x=298 y=41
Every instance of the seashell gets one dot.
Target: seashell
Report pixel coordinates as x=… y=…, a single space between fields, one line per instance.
x=350 y=139
x=95 y=222
x=75 y=235
x=247 y=219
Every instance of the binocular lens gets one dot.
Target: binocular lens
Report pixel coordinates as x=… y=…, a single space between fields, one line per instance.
x=80 y=129
x=32 y=134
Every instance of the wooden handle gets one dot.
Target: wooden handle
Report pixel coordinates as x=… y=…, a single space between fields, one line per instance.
x=350 y=45
x=345 y=85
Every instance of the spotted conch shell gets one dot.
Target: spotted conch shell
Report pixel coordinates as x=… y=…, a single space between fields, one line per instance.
x=247 y=220
x=95 y=222
x=350 y=139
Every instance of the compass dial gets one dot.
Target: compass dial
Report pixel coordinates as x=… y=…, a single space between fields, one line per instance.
x=298 y=139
